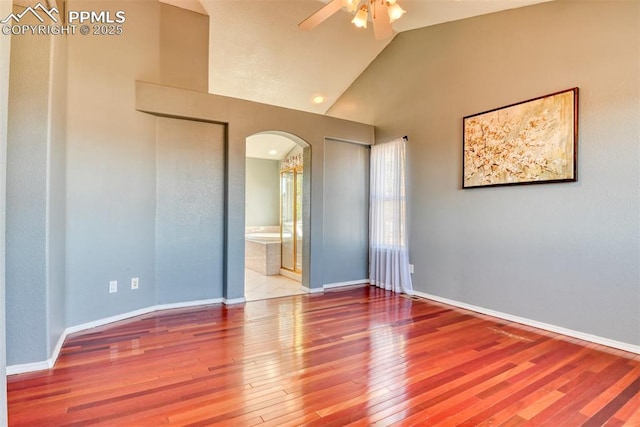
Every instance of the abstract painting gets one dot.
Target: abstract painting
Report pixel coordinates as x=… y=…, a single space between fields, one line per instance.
x=530 y=142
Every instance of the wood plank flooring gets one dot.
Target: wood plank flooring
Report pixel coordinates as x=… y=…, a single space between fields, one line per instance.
x=360 y=356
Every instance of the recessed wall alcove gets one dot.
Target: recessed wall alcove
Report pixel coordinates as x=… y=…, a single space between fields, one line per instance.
x=241 y=119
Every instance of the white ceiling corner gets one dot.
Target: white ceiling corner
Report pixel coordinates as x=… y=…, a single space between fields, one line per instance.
x=257 y=52
x=268 y=146
x=193 y=5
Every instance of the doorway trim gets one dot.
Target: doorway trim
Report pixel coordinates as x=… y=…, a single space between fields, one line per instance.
x=306 y=204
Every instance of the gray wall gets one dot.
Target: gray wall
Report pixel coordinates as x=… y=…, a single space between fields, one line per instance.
x=26 y=200
x=346 y=212
x=563 y=254
x=125 y=169
x=5 y=57
x=111 y=167
x=189 y=210
x=36 y=197
x=56 y=200
x=262 y=192
x=184 y=53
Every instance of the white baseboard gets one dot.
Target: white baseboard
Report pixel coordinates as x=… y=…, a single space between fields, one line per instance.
x=139 y=312
x=233 y=301
x=107 y=320
x=187 y=304
x=30 y=367
x=312 y=290
x=58 y=348
x=50 y=362
x=342 y=284
x=540 y=325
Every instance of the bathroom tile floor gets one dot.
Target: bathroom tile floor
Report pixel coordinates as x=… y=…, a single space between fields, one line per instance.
x=258 y=287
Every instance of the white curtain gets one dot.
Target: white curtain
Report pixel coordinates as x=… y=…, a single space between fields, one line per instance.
x=388 y=250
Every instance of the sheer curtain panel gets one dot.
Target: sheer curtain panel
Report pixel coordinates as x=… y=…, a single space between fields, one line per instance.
x=388 y=250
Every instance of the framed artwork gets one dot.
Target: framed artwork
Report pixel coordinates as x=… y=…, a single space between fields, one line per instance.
x=531 y=142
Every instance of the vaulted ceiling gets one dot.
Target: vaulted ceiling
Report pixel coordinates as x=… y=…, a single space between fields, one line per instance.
x=257 y=52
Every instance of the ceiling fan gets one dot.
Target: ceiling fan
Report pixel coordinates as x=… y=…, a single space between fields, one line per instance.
x=382 y=12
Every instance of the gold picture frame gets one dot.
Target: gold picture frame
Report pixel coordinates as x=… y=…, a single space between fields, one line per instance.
x=530 y=142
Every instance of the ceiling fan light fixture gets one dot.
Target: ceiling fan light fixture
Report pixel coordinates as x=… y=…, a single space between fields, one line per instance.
x=383 y=13
x=394 y=10
x=360 y=20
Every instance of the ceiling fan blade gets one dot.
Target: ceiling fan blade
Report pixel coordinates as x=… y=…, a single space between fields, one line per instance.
x=381 y=23
x=318 y=17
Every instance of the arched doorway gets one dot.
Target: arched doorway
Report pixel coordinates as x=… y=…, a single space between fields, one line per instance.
x=276 y=215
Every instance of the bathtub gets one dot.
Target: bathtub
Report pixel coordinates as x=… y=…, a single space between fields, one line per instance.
x=262 y=252
x=263 y=237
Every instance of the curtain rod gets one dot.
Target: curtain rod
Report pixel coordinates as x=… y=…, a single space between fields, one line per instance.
x=406 y=138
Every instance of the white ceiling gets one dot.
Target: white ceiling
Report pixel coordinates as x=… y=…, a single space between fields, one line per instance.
x=257 y=52
x=269 y=146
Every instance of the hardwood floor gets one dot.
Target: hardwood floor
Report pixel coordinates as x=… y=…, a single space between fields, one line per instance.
x=360 y=356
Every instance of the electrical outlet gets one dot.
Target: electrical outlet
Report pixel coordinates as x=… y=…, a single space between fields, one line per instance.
x=411 y=268
x=113 y=286
x=134 y=283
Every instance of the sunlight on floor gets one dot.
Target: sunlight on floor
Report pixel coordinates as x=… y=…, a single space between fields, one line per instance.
x=257 y=286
